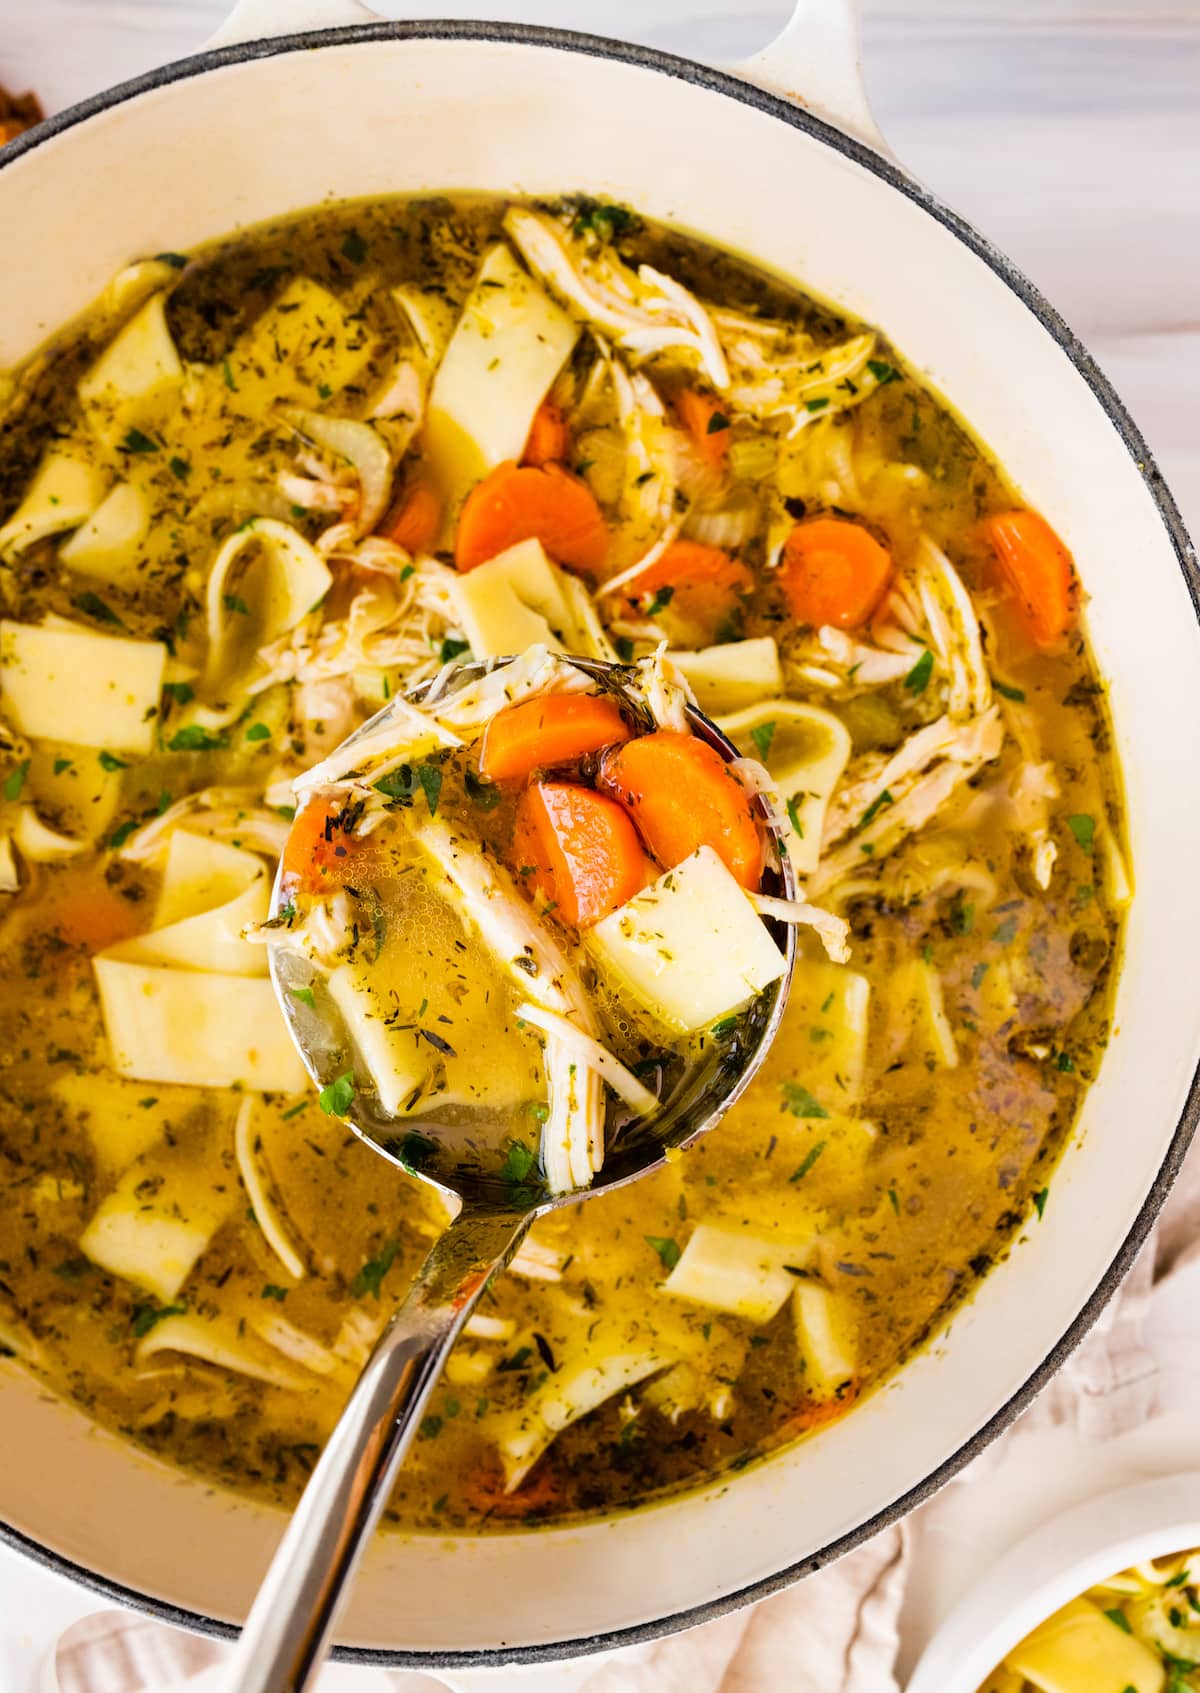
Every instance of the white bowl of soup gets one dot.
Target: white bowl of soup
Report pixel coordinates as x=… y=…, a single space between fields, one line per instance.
x=1099 y=1600
x=739 y=1368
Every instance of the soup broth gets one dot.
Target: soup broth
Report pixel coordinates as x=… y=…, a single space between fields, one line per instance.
x=193 y=1247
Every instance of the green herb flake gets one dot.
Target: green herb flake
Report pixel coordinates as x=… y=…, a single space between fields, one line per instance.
x=258 y=732
x=762 y=735
x=716 y=423
x=181 y=692
x=336 y=1099
x=1083 y=827
x=1007 y=693
x=1119 y=1620
x=597 y=218
x=175 y=260
x=136 y=442
x=149 y=1102
x=110 y=761
x=61 y=764
x=894 y=1197
x=1039 y=1201
x=450 y=650
x=518 y=1163
x=800 y=1102
x=93 y=606
x=430 y=778
x=624 y=647
x=977 y=975
x=818 y=404
x=180 y=469
x=883 y=372
x=15 y=780
x=146 y=1316
x=660 y=600
x=1005 y=933
x=485 y=795
x=193 y=738
x=272 y=1290
x=370 y=1278
x=227 y=373
x=354 y=247
x=810 y=1158
x=235 y=603
x=726 y=1026
x=667 y=1249
x=121 y=834
x=304 y=995
x=875 y=807
x=793 y=813
x=917 y=679
x=962 y=916
x=1065 y=1063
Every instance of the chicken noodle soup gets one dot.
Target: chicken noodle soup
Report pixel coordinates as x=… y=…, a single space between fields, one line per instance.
x=495 y=909
x=259 y=491
x=1138 y=1632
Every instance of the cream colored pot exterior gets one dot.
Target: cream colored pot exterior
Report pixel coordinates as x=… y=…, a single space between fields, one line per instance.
x=229 y=141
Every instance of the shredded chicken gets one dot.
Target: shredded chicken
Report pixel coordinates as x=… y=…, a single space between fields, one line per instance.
x=954 y=631
x=643 y=312
x=224 y=814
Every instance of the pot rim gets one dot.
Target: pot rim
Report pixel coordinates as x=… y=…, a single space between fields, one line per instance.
x=796 y=116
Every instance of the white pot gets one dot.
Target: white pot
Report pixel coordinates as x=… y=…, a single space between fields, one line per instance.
x=247 y=132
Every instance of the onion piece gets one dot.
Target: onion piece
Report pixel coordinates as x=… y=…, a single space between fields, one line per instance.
x=832 y=931
x=623 y=1082
x=361 y=446
x=274 y=1231
x=728 y=524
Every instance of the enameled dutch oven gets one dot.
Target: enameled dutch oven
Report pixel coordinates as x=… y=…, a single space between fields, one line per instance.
x=780 y=161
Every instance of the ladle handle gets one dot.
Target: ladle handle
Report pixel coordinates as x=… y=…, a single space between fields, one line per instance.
x=284 y=1639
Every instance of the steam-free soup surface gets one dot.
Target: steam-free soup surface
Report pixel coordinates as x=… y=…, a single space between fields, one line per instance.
x=208 y=582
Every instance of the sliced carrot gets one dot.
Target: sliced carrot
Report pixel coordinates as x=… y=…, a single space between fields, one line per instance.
x=1038 y=573
x=682 y=796
x=578 y=850
x=92 y=916
x=539 y=734
x=549 y=438
x=834 y=572
x=697 y=590
x=529 y=502
x=318 y=851
x=706 y=421
x=415 y=521
x=484 y=1489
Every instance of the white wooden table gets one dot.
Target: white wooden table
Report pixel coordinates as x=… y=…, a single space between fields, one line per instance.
x=1069 y=132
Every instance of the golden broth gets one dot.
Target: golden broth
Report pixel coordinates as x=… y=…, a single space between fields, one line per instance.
x=907 y=1122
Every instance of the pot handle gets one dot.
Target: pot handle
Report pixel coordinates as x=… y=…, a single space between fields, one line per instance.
x=816 y=62
x=259 y=20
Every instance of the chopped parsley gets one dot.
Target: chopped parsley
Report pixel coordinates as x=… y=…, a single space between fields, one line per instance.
x=180 y=692
x=194 y=738
x=875 y=807
x=258 y=732
x=810 y=1158
x=818 y=404
x=800 y=1102
x=1039 y=1201
x=180 y=468
x=917 y=679
x=1007 y=693
x=450 y=650
x=667 y=1249
x=882 y=371
x=175 y=260
x=93 y=606
x=481 y=793
x=962 y=916
x=354 y=247
x=136 y=442
x=336 y=1099
x=110 y=761
x=15 y=780
x=304 y=995
x=519 y=1161
x=662 y=598
x=726 y=1026
x=370 y=1278
x=146 y=1316
x=793 y=812
x=762 y=735
x=596 y=217
x=1119 y=1620
x=227 y=373
x=1065 y=1063
x=235 y=602
x=1083 y=827
x=716 y=423
x=272 y=1290
x=1005 y=933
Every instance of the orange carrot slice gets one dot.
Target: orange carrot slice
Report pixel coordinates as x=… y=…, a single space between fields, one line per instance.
x=1038 y=573
x=529 y=502
x=705 y=420
x=415 y=521
x=549 y=438
x=578 y=850
x=700 y=589
x=539 y=734
x=318 y=852
x=682 y=796
x=833 y=571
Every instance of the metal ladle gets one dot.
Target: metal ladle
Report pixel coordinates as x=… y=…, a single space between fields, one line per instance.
x=285 y=1636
